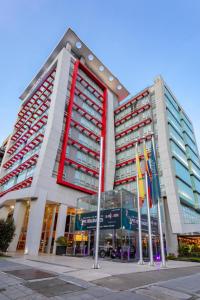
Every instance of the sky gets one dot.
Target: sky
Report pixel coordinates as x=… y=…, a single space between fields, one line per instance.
x=136 y=40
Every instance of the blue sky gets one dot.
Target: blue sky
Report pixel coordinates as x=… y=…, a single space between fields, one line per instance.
x=137 y=40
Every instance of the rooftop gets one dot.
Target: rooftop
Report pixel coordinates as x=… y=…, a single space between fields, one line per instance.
x=91 y=60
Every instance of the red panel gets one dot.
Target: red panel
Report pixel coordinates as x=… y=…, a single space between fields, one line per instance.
x=131 y=101
x=41 y=109
x=127 y=162
x=126 y=180
x=134 y=113
x=32 y=130
x=34 y=97
x=67 y=126
x=88 y=99
x=132 y=128
x=71 y=122
x=129 y=145
x=84 y=129
x=25 y=165
x=82 y=167
x=24 y=184
x=83 y=112
x=81 y=146
x=30 y=146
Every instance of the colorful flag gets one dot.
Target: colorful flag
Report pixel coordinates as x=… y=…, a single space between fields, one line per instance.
x=140 y=186
x=156 y=192
x=149 y=176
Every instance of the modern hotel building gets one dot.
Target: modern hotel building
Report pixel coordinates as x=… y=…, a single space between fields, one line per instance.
x=52 y=156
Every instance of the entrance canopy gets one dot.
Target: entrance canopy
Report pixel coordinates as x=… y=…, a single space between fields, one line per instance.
x=118 y=211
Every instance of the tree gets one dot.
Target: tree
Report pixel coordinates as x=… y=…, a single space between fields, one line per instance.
x=7 y=230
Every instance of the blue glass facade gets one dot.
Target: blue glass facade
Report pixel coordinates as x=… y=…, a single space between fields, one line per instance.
x=185 y=159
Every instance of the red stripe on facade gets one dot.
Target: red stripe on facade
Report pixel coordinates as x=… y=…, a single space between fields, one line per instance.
x=129 y=145
x=131 y=101
x=132 y=128
x=71 y=122
x=24 y=184
x=135 y=112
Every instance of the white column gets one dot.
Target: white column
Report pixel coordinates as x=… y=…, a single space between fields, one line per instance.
x=35 y=223
x=61 y=221
x=51 y=230
x=4 y=212
x=18 y=216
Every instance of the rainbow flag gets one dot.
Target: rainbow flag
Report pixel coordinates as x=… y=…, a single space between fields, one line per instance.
x=140 y=186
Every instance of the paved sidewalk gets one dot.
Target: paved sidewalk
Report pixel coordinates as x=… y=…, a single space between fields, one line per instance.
x=80 y=267
x=25 y=282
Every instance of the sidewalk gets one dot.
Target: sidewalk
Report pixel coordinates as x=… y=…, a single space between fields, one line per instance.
x=72 y=278
x=80 y=267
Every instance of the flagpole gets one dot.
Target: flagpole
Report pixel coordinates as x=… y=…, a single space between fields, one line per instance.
x=140 y=262
x=96 y=264
x=151 y=262
x=160 y=221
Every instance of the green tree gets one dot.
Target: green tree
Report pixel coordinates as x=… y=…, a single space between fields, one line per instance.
x=7 y=230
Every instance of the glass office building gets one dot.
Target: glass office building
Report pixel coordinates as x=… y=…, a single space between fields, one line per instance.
x=52 y=155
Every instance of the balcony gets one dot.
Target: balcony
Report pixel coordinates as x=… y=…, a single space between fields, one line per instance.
x=130 y=102
x=125 y=180
x=35 y=128
x=132 y=128
x=134 y=113
x=83 y=148
x=41 y=109
x=128 y=162
x=29 y=147
x=88 y=116
x=90 y=88
x=32 y=103
x=85 y=130
x=88 y=100
x=131 y=144
x=24 y=184
x=25 y=165
x=81 y=167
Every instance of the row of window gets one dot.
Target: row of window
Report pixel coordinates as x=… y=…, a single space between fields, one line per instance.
x=80 y=178
x=137 y=133
x=190 y=216
x=19 y=178
x=82 y=157
x=137 y=104
x=134 y=120
x=87 y=107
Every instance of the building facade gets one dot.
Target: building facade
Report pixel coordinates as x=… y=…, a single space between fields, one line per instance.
x=52 y=155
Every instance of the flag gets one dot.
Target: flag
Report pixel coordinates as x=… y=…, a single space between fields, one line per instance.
x=149 y=176
x=156 y=192
x=140 y=186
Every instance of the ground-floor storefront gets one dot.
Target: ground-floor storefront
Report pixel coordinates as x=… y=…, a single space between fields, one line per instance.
x=118 y=227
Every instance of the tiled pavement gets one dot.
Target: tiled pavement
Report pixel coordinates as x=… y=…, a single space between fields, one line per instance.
x=22 y=282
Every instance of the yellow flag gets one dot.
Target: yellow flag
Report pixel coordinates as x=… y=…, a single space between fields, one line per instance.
x=140 y=180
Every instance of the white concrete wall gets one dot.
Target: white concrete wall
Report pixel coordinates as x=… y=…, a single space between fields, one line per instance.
x=4 y=211
x=43 y=173
x=18 y=216
x=110 y=159
x=35 y=223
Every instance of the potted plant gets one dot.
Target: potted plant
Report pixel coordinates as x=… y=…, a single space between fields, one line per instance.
x=61 y=245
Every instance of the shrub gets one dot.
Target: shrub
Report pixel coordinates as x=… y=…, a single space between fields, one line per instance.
x=171 y=256
x=7 y=230
x=183 y=250
x=61 y=241
x=195 y=254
